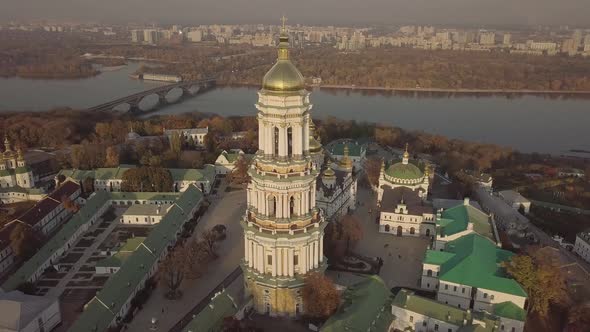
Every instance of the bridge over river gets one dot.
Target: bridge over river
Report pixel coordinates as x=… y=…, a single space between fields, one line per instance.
x=189 y=89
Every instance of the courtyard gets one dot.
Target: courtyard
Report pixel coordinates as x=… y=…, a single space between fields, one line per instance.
x=402 y=256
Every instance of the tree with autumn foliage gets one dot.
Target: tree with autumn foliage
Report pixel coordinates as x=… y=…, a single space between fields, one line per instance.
x=239 y=174
x=372 y=168
x=542 y=280
x=320 y=296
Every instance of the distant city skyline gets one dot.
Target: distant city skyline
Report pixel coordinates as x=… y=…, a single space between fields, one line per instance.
x=318 y=12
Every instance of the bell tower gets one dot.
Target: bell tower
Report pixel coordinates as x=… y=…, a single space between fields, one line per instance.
x=283 y=229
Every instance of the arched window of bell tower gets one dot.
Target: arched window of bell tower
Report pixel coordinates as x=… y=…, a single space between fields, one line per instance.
x=276 y=141
x=292 y=206
x=272 y=206
x=290 y=142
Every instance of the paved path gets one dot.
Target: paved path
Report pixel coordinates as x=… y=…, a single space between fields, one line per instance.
x=61 y=286
x=227 y=210
x=402 y=256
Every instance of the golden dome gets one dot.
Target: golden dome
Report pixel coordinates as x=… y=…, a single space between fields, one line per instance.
x=329 y=172
x=283 y=76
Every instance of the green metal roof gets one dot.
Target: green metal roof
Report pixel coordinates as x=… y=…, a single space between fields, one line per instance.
x=207 y=173
x=122 y=254
x=509 y=310
x=431 y=308
x=148 y=196
x=108 y=302
x=210 y=319
x=365 y=307
x=22 y=170
x=231 y=157
x=5 y=172
x=25 y=272
x=354 y=150
x=437 y=257
x=476 y=262
x=407 y=171
x=455 y=220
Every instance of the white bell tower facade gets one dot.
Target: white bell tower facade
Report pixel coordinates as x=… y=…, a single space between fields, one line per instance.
x=283 y=229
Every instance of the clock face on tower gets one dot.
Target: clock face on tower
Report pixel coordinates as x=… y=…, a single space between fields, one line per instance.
x=283 y=228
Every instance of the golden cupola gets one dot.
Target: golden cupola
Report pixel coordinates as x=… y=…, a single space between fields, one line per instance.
x=283 y=76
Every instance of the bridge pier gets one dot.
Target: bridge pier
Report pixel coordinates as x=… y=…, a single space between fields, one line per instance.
x=134 y=100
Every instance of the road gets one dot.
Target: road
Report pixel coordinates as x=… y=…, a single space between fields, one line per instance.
x=226 y=210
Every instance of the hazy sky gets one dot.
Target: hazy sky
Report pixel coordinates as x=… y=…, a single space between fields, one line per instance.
x=570 y=12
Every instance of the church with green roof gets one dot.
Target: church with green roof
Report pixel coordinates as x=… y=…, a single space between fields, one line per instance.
x=404 y=174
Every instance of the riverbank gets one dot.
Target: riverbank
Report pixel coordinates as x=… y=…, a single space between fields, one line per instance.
x=458 y=91
x=433 y=91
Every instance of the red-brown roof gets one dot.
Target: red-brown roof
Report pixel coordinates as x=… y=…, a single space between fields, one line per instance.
x=66 y=189
x=39 y=211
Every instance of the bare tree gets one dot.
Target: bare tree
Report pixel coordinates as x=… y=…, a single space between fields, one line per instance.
x=173 y=270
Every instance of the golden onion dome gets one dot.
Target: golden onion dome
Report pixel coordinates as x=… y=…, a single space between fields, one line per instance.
x=283 y=76
x=329 y=172
x=314 y=145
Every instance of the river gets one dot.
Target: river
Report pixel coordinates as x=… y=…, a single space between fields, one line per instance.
x=525 y=122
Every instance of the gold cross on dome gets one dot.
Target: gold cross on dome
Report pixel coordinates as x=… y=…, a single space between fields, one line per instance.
x=284 y=20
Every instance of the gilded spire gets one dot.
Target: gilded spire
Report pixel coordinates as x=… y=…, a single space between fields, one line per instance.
x=20 y=154
x=6 y=143
x=284 y=41
x=345 y=162
x=406 y=157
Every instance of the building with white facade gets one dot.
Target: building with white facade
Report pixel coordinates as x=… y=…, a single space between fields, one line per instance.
x=405 y=213
x=17 y=182
x=467 y=274
x=140 y=214
x=422 y=314
x=404 y=174
x=337 y=190
x=226 y=161
x=582 y=245
x=111 y=179
x=461 y=220
x=515 y=200
x=28 y=313
x=196 y=134
x=283 y=228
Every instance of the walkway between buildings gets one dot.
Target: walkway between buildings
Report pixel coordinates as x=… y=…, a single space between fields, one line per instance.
x=61 y=286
